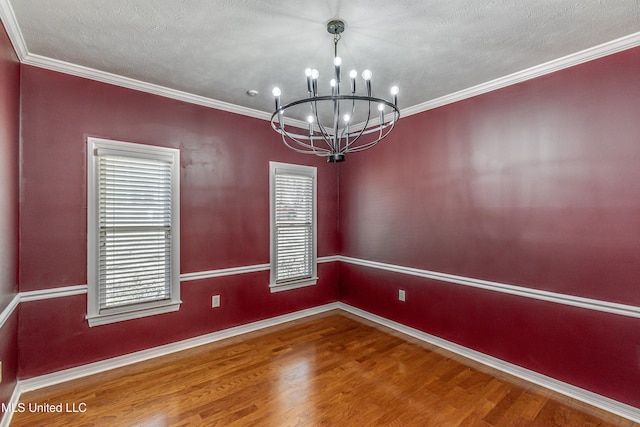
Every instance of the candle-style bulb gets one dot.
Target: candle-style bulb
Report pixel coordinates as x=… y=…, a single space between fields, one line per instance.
x=337 y=62
x=276 y=94
x=310 y=121
x=353 y=74
x=314 y=81
x=307 y=73
x=366 y=75
x=394 y=93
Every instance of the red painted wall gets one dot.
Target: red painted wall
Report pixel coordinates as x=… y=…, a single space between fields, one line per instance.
x=224 y=216
x=9 y=178
x=536 y=185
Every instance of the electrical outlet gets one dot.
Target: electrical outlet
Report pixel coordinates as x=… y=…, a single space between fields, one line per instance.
x=402 y=295
x=215 y=301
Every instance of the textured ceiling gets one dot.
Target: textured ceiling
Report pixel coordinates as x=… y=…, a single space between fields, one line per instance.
x=219 y=49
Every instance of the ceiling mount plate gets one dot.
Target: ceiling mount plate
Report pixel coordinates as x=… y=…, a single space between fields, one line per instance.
x=335 y=26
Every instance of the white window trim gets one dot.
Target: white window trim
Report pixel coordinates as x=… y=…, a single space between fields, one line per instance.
x=298 y=170
x=94 y=315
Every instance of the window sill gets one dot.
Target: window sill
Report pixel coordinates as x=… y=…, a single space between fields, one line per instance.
x=293 y=285
x=105 y=319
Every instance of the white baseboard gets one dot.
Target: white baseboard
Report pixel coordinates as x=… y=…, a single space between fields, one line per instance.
x=58 y=377
x=42 y=381
x=13 y=403
x=605 y=403
x=593 y=399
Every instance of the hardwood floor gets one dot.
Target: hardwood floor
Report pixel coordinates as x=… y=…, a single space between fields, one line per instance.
x=333 y=369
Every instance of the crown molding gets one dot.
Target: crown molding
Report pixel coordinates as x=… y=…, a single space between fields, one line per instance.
x=15 y=35
x=590 y=54
x=139 y=85
x=8 y=18
x=129 y=83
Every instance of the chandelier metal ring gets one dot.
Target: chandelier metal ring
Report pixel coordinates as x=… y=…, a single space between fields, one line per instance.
x=303 y=142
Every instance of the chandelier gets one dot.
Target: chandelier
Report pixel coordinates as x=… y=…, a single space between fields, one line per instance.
x=338 y=123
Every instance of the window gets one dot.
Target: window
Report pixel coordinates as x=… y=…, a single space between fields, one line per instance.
x=133 y=227
x=293 y=226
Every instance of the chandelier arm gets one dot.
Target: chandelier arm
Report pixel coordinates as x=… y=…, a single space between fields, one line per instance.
x=372 y=143
x=377 y=129
x=294 y=137
x=325 y=135
x=345 y=133
x=362 y=147
x=380 y=128
x=346 y=128
x=336 y=123
x=318 y=152
x=390 y=123
x=287 y=138
x=366 y=124
x=309 y=148
x=342 y=136
x=281 y=119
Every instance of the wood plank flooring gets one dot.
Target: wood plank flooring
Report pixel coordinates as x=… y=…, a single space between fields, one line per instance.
x=333 y=369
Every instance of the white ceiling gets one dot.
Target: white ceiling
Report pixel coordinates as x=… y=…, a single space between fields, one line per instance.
x=219 y=49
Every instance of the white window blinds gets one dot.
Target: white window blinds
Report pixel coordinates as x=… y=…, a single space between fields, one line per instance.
x=294 y=227
x=135 y=231
x=293 y=224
